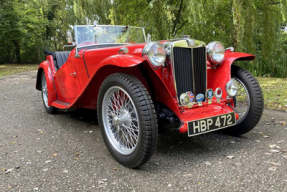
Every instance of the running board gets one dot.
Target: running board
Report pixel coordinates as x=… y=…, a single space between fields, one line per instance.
x=60 y=104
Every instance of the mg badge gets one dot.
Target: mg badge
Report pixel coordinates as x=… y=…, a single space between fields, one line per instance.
x=199 y=99
x=209 y=95
x=191 y=99
x=218 y=94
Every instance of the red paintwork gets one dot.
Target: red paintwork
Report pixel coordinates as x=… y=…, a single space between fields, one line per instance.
x=46 y=67
x=221 y=75
x=203 y=112
x=94 y=65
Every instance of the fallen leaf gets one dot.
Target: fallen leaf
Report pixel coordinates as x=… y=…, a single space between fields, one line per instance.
x=274 y=151
x=273 y=168
x=207 y=163
x=282 y=123
x=199 y=183
x=9 y=187
x=13 y=142
x=114 y=168
x=69 y=124
x=102 y=181
x=8 y=171
x=55 y=154
x=275 y=164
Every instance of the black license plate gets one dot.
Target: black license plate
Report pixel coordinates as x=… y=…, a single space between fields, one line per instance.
x=209 y=124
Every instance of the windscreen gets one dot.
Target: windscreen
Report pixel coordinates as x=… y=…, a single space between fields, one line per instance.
x=89 y=34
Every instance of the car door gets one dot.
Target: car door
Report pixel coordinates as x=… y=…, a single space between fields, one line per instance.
x=68 y=86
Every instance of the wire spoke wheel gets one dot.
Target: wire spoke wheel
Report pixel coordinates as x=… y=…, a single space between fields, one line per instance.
x=127 y=119
x=120 y=120
x=44 y=91
x=241 y=101
x=248 y=103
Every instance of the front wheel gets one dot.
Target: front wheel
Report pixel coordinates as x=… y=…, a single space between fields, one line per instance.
x=248 y=102
x=127 y=119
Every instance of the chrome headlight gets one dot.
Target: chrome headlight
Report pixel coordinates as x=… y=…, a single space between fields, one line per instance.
x=232 y=87
x=215 y=52
x=155 y=53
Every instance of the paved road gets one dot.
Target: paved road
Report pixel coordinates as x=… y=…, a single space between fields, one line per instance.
x=65 y=152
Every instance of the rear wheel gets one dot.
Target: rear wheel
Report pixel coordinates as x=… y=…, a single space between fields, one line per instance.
x=44 y=91
x=248 y=102
x=127 y=119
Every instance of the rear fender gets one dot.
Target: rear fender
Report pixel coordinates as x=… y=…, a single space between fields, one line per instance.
x=46 y=67
x=222 y=74
x=132 y=65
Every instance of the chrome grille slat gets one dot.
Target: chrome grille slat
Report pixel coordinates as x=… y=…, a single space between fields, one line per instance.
x=199 y=63
x=183 y=69
x=190 y=70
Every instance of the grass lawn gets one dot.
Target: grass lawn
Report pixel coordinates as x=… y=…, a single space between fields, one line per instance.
x=274 y=89
x=275 y=92
x=7 y=69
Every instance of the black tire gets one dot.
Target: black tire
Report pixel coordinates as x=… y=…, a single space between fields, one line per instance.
x=49 y=109
x=146 y=114
x=256 y=102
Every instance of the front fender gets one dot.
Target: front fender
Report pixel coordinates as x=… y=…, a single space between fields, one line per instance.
x=45 y=67
x=219 y=76
x=121 y=61
x=128 y=64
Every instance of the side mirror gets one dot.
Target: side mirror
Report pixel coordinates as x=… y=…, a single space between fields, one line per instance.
x=69 y=37
x=148 y=39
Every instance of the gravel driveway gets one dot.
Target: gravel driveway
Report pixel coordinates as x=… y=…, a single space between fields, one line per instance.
x=65 y=152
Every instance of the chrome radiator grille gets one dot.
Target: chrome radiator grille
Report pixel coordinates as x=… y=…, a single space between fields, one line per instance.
x=190 y=70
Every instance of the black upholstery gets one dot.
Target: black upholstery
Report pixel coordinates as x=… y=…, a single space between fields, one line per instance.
x=60 y=58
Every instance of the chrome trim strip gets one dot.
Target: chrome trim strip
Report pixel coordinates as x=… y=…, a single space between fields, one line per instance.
x=99 y=44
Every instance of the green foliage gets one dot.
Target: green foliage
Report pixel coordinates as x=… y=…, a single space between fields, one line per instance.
x=30 y=26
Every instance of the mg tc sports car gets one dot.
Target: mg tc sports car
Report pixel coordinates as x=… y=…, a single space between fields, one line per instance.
x=142 y=87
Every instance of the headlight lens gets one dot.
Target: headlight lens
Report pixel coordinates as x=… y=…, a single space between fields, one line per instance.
x=155 y=53
x=215 y=52
x=232 y=88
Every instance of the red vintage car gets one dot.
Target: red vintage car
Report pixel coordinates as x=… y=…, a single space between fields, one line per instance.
x=142 y=87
